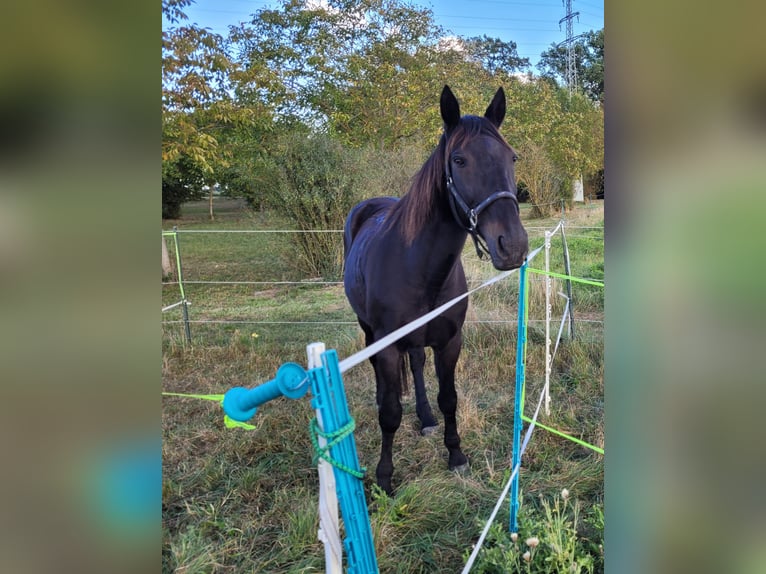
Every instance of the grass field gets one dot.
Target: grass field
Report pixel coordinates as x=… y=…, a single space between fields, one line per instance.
x=246 y=501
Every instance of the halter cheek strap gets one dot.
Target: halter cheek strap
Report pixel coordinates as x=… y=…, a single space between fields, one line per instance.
x=472 y=213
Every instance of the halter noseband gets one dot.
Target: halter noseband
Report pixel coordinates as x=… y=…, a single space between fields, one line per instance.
x=472 y=213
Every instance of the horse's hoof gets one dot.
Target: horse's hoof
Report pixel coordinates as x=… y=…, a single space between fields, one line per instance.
x=428 y=431
x=461 y=469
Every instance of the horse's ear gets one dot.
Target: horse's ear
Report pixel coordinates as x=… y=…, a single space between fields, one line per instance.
x=450 y=109
x=496 y=109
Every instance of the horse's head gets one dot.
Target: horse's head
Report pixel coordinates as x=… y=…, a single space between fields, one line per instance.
x=481 y=182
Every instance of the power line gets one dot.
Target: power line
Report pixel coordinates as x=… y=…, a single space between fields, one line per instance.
x=491 y=18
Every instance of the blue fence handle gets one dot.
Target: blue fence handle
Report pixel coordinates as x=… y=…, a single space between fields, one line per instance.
x=240 y=403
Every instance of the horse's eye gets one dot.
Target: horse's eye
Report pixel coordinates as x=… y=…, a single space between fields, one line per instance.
x=515 y=158
x=459 y=161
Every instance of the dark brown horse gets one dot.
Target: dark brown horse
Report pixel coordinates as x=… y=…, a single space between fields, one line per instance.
x=402 y=259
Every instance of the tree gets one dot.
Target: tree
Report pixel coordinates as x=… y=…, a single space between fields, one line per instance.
x=589 y=64
x=359 y=70
x=315 y=187
x=544 y=182
x=367 y=71
x=557 y=138
x=200 y=106
x=495 y=55
x=182 y=181
x=364 y=73
x=195 y=99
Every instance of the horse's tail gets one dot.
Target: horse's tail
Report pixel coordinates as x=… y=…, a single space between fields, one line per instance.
x=403 y=378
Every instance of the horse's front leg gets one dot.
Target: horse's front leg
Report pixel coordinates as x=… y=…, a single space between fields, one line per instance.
x=446 y=360
x=387 y=376
x=428 y=423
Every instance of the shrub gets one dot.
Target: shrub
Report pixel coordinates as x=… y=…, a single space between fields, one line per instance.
x=314 y=181
x=545 y=185
x=388 y=171
x=314 y=187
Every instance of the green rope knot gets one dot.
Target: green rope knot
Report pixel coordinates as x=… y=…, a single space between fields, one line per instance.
x=333 y=438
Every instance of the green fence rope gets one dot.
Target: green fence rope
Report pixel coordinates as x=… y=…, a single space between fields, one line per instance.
x=523 y=388
x=564 y=435
x=229 y=422
x=526 y=323
x=333 y=438
x=569 y=277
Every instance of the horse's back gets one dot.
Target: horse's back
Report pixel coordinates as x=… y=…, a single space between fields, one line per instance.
x=361 y=213
x=361 y=238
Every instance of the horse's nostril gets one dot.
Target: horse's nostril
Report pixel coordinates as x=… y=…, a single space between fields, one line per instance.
x=501 y=244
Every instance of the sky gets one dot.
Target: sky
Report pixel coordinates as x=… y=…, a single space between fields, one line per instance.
x=532 y=24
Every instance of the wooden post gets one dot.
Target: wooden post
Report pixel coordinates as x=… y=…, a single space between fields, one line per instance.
x=167 y=268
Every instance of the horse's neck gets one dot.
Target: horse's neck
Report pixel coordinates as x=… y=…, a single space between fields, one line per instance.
x=438 y=246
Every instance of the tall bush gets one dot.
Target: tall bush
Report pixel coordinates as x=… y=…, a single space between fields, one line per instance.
x=313 y=181
x=315 y=189
x=545 y=183
x=389 y=171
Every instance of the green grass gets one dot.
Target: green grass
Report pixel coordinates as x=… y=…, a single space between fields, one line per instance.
x=245 y=501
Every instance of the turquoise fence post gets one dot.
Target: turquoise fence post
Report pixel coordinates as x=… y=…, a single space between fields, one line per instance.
x=330 y=400
x=293 y=382
x=521 y=340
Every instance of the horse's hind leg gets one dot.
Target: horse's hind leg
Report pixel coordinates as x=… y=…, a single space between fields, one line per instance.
x=428 y=423
x=446 y=360
x=387 y=373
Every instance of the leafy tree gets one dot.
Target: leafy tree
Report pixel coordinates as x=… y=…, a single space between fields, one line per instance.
x=367 y=71
x=182 y=181
x=173 y=10
x=542 y=179
x=496 y=55
x=589 y=64
x=201 y=110
x=557 y=137
x=364 y=73
x=195 y=101
x=315 y=186
x=357 y=69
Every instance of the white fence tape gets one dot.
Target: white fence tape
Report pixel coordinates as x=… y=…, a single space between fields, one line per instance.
x=394 y=336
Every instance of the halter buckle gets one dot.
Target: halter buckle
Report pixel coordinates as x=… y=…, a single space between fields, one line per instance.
x=473 y=219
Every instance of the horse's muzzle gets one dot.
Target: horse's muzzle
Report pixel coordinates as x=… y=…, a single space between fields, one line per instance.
x=509 y=251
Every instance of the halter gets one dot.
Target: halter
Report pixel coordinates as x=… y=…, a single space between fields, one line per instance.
x=472 y=213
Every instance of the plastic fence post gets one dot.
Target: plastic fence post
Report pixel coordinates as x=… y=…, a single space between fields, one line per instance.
x=568 y=271
x=548 y=358
x=330 y=400
x=519 y=400
x=329 y=531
